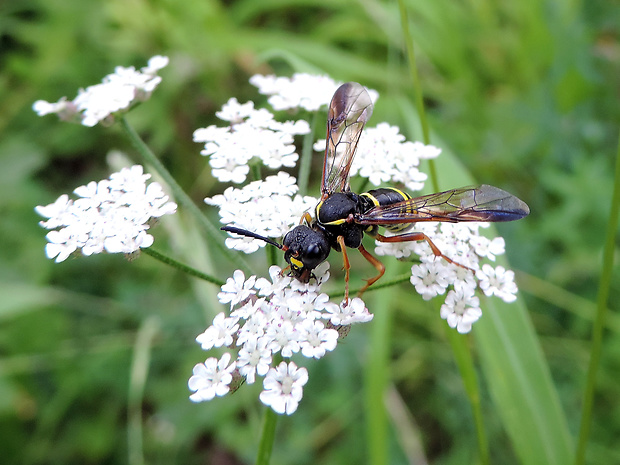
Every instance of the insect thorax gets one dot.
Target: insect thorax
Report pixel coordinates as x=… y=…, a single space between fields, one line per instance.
x=334 y=216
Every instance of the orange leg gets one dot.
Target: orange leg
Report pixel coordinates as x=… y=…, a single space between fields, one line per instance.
x=306 y=216
x=418 y=236
x=347 y=266
x=376 y=263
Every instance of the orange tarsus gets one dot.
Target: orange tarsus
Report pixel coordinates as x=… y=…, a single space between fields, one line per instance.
x=376 y=263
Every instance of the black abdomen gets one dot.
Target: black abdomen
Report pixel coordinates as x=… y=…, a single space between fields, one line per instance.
x=387 y=196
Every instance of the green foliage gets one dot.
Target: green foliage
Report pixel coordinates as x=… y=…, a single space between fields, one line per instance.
x=519 y=94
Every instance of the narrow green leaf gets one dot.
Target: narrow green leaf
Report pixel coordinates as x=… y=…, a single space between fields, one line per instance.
x=512 y=361
x=267 y=438
x=464 y=360
x=139 y=372
x=377 y=375
x=520 y=384
x=601 y=315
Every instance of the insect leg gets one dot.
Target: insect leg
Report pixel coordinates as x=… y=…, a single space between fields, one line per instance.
x=418 y=236
x=376 y=263
x=305 y=217
x=347 y=266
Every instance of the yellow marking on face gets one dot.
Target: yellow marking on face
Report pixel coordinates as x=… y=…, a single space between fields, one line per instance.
x=296 y=263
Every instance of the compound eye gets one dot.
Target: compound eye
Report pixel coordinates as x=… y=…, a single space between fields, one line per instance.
x=313 y=255
x=313 y=251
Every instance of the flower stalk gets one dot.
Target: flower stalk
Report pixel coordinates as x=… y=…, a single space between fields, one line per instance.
x=182 y=266
x=460 y=349
x=179 y=194
x=601 y=314
x=267 y=437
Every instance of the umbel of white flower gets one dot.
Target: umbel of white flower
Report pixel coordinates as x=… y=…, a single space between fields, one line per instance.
x=110 y=215
x=284 y=317
x=117 y=92
x=250 y=133
x=271 y=207
x=268 y=317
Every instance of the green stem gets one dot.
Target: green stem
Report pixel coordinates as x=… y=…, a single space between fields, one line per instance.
x=461 y=351
x=599 y=322
x=377 y=374
x=139 y=372
x=268 y=434
x=272 y=255
x=180 y=196
x=255 y=172
x=267 y=437
x=465 y=363
x=181 y=266
x=375 y=287
x=306 y=157
x=419 y=96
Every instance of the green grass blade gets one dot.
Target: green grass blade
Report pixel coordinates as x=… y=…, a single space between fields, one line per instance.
x=139 y=372
x=520 y=384
x=464 y=360
x=513 y=365
x=601 y=313
x=376 y=379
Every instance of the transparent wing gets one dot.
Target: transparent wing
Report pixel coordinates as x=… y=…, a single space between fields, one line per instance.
x=483 y=203
x=349 y=111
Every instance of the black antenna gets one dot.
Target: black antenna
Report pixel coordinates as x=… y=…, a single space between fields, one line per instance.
x=245 y=232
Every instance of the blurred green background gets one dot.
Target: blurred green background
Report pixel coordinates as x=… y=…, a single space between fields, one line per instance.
x=523 y=94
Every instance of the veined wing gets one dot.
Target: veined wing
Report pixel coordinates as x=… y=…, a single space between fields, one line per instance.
x=349 y=111
x=482 y=203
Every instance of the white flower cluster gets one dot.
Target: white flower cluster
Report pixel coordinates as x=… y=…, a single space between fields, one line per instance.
x=117 y=91
x=269 y=208
x=384 y=156
x=271 y=320
x=251 y=133
x=462 y=243
x=282 y=318
x=109 y=215
x=302 y=90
